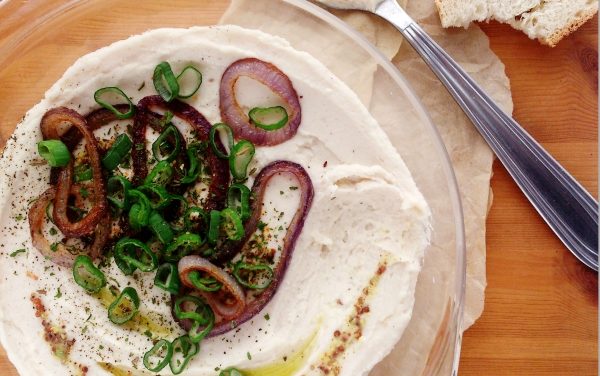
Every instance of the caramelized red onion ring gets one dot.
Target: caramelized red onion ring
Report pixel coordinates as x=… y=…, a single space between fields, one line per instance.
x=61 y=256
x=230 y=301
x=273 y=78
x=95 y=120
x=51 y=125
x=219 y=168
x=254 y=306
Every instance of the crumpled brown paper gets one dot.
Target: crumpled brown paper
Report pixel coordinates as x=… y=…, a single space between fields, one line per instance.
x=471 y=157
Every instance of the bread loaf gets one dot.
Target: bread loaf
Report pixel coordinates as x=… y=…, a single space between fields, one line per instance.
x=546 y=20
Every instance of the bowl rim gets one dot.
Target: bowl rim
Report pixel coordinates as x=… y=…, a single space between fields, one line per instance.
x=14 y=38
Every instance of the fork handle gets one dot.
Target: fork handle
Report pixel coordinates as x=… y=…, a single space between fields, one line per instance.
x=563 y=203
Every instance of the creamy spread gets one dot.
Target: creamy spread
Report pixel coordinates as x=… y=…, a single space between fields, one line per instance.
x=349 y=291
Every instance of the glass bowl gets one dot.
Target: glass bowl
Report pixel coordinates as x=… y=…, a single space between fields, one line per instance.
x=40 y=40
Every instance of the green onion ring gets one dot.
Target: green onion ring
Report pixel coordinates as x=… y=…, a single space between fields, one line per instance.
x=156 y=145
x=161 y=174
x=167 y=278
x=182 y=246
x=198 y=75
x=241 y=156
x=232 y=224
x=160 y=228
x=201 y=313
x=124 y=251
x=163 y=197
x=117 y=152
x=195 y=166
x=120 y=115
x=160 y=346
x=55 y=152
x=231 y=371
x=238 y=266
x=258 y=112
x=213 y=132
x=243 y=192
x=214 y=226
x=126 y=314
x=164 y=72
x=205 y=284
x=188 y=350
x=115 y=184
x=87 y=275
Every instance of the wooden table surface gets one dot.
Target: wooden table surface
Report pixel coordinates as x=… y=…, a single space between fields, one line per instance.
x=541 y=309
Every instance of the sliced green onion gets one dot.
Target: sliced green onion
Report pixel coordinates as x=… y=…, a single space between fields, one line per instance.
x=167 y=278
x=87 y=275
x=217 y=128
x=195 y=167
x=199 y=330
x=124 y=307
x=159 y=197
x=83 y=173
x=160 y=228
x=162 y=140
x=139 y=214
x=232 y=224
x=241 y=156
x=196 y=83
x=187 y=349
x=118 y=188
x=252 y=269
x=55 y=152
x=214 y=226
x=137 y=254
x=164 y=74
x=277 y=117
x=161 y=174
x=117 y=152
x=179 y=224
x=231 y=371
x=187 y=220
x=243 y=193
x=200 y=312
x=205 y=284
x=163 y=350
x=124 y=266
x=183 y=245
x=119 y=93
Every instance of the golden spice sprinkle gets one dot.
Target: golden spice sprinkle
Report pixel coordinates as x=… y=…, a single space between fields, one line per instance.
x=53 y=334
x=344 y=337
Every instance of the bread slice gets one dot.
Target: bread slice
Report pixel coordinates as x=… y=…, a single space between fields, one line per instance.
x=546 y=20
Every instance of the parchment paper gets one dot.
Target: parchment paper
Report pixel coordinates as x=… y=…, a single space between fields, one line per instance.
x=471 y=157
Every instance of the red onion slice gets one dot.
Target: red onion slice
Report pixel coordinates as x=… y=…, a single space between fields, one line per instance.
x=254 y=306
x=269 y=75
x=230 y=301
x=61 y=256
x=51 y=125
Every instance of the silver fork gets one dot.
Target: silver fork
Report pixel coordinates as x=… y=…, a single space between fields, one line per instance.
x=563 y=203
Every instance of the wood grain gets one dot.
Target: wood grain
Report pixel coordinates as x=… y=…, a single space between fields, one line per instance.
x=541 y=310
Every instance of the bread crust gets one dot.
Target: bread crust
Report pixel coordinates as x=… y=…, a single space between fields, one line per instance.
x=550 y=41
x=558 y=35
